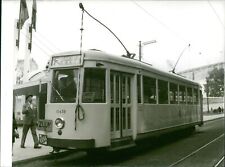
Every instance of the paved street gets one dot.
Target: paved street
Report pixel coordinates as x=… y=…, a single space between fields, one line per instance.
x=205 y=147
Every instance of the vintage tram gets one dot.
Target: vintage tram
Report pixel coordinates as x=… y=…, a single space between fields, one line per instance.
x=96 y=100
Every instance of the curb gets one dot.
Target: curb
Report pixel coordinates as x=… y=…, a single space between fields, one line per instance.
x=43 y=156
x=213 y=119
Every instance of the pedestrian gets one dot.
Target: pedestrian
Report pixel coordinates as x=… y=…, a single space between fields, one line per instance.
x=219 y=110
x=29 y=122
x=15 y=133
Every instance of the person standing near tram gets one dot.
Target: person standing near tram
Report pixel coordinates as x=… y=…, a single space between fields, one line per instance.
x=29 y=122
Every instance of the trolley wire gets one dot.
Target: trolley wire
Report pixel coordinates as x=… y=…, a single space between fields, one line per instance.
x=41 y=49
x=159 y=21
x=214 y=11
x=47 y=40
x=36 y=38
x=39 y=40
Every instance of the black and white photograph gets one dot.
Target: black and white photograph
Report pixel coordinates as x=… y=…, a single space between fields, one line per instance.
x=112 y=83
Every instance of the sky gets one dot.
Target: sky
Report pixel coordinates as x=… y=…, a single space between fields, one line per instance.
x=173 y=24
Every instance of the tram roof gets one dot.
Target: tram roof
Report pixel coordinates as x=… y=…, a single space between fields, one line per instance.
x=97 y=55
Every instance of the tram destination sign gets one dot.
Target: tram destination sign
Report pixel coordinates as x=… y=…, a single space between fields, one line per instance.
x=68 y=60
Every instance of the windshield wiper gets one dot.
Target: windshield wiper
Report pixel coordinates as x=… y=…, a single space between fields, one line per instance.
x=58 y=93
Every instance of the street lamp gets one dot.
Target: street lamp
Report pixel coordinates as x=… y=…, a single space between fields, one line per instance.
x=141 y=44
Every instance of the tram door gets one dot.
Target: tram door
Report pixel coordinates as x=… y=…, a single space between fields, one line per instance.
x=120 y=84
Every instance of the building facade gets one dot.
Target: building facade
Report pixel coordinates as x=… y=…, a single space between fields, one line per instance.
x=199 y=75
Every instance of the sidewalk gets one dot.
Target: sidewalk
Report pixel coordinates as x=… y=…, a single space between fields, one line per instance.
x=29 y=152
x=207 y=117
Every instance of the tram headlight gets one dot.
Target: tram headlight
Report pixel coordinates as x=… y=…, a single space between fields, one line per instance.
x=59 y=123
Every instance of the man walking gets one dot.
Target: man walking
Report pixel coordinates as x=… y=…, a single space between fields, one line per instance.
x=29 y=122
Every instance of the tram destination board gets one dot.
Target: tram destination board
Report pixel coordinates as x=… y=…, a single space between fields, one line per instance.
x=45 y=125
x=68 y=60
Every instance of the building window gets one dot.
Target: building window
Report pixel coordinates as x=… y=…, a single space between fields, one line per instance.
x=182 y=94
x=163 y=92
x=94 y=86
x=173 y=93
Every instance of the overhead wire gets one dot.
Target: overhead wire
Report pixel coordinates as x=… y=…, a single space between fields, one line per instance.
x=41 y=42
x=215 y=12
x=159 y=21
x=36 y=38
x=47 y=40
x=172 y=31
x=41 y=49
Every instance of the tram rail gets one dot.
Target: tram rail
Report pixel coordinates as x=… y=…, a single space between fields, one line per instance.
x=219 y=162
x=194 y=152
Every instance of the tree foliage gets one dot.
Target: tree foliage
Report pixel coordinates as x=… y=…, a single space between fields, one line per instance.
x=214 y=86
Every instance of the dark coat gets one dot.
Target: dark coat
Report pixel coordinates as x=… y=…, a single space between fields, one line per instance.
x=30 y=115
x=14 y=127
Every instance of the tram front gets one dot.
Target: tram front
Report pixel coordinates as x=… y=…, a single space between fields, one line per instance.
x=69 y=123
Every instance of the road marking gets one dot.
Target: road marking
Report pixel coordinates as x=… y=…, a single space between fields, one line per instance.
x=175 y=163
x=218 y=163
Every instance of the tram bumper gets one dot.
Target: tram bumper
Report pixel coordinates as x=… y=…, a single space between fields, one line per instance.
x=71 y=143
x=66 y=143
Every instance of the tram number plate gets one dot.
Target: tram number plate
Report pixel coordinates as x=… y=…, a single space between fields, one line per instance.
x=43 y=139
x=45 y=125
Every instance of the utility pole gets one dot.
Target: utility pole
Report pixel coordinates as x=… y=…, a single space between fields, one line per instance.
x=207 y=94
x=140 y=45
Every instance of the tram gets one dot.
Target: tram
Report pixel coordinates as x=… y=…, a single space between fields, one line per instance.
x=97 y=100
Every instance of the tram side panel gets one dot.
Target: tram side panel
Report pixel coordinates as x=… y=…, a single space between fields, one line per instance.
x=159 y=117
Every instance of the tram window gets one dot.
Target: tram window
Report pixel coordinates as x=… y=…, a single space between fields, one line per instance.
x=189 y=96
x=128 y=90
x=182 y=94
x=112 y=87
x=64 y=86
x=173 y=93
x=123 y=89
x=139 y=88
x=149 y=86
x=112 y=119
x=195 y=96
x=117 y=88
x=163 y=92
x=94 y=86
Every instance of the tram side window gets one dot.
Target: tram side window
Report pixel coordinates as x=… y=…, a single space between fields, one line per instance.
x=139 y=88
x=94 y=86
x=163 y=92
x=182 y=94
x=173 y=93
x=189 y=96
x=195 y=96
x=149 y=86
x=112 y=87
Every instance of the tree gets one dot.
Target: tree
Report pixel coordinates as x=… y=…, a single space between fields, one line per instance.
x=214 y=86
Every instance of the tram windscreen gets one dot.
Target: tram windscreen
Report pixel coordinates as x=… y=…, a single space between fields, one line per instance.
x=64 y=86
